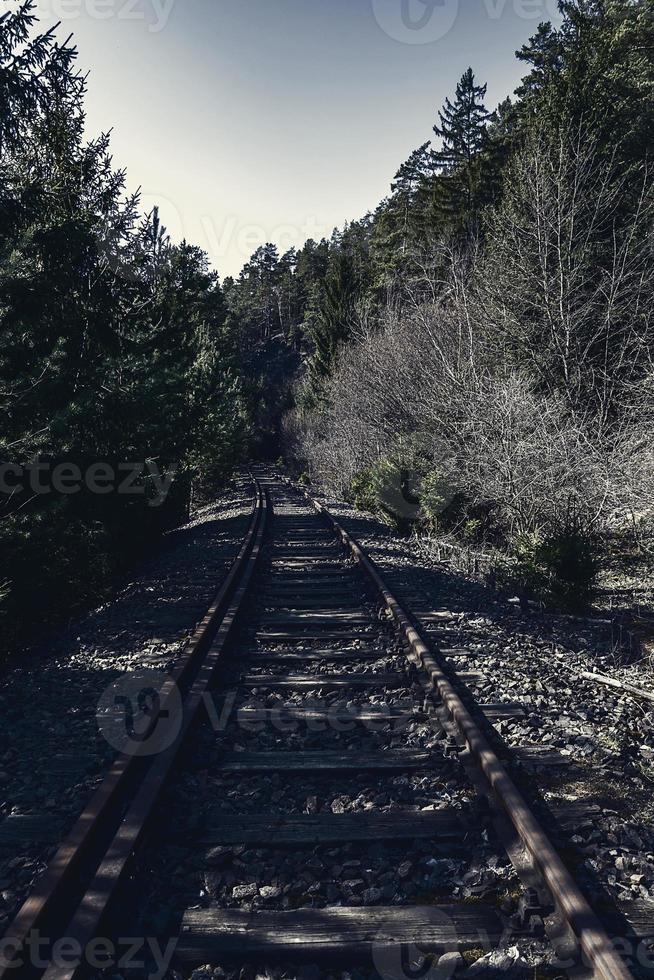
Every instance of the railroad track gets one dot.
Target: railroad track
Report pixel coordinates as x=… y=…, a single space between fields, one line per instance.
x=302 y=788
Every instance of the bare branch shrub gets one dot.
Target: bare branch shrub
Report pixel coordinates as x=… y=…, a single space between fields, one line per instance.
x=566 y=283
x=525 y=375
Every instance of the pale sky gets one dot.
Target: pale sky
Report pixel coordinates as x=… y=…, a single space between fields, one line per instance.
x=250 y=121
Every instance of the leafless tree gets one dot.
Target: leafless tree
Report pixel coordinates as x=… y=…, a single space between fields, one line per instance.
x=524 y=373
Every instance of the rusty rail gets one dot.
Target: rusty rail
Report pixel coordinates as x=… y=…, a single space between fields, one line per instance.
x=593 y=940
x=105 y=835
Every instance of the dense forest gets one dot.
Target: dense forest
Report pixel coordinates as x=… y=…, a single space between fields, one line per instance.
x=486 y=333
x=117 y=360
x=483 y=342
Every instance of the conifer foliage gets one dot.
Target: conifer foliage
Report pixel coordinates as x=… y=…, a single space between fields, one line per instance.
x=464 y=136
x=115 y=347
x=488 y=326
x=502 y=341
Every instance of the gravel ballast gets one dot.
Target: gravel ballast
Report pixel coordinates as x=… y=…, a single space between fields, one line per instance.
x=606 y=737
x=53 y=755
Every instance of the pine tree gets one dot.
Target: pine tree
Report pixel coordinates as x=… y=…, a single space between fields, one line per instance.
x=35 y=73
x=254 y=298
x=414 y=172
x=112 y=340
x=311 y=271
x=595 y=74
x=335 y=321
x=464 y=136
x=544 y=52
x=290 y=299
x=411 y=188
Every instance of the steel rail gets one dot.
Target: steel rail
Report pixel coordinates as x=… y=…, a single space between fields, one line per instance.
x=586 y=926
x=104 y=815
